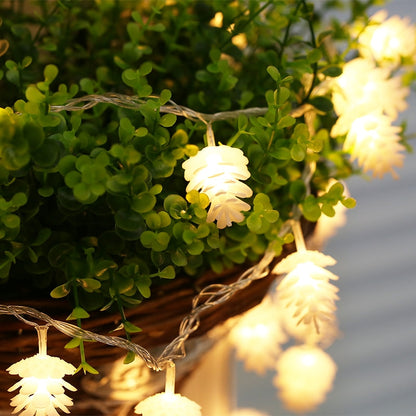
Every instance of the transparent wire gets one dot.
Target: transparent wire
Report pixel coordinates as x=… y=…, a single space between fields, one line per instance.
x=209 y=297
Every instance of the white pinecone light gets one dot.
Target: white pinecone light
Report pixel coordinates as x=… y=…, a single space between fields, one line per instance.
x=308 y=297
x=42 y=388
x=217 y=171
x=305 y=375
x=168 y=404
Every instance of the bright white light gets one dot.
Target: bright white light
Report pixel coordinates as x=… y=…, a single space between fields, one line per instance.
x=42 y=387
x=374 y=142
x=307 y=297
x=257 y=337
x=304 y=376
x=364 y=88
x=217 y=171
x=388 y=40
x=167 y=404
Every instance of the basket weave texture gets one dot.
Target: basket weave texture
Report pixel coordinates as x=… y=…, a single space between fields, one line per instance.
x=159 y=318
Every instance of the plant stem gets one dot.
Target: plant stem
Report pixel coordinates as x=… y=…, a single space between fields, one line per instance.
x=79 y=322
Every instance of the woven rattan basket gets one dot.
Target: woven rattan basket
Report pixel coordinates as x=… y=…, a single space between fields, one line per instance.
x=159 y=318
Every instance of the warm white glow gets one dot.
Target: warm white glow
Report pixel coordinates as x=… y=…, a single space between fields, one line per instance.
x=298 y=257
x=374 y=142
x=247 y=412
x=257 y=337
x=168 y=404
x=388 y=40
x=217 y=172
x=307 y=297
x=304 y=376
x=42 y=388
x=364 y=88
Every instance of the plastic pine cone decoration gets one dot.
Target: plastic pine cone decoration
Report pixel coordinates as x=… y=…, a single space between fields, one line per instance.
x=257 y=337
x=168 y=404
x=216 y=171
x=42 y=389
x=305 y=375
x=307 y=296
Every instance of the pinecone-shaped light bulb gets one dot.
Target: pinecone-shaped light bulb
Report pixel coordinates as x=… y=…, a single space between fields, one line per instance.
x=42 y=388
x=217 y=171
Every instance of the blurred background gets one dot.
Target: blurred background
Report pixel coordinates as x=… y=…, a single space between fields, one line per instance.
x=376 y=254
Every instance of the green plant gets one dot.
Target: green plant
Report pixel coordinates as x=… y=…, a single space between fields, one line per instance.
x=93 y=204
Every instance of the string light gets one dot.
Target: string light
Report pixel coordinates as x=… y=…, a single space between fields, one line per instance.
x=364 y=88
x=257 y=337
x=375 y=143
x=388 y=40
x=217 y=171
x=168 y=403
x=305 y=375
x=306 y=293
x=42 y=388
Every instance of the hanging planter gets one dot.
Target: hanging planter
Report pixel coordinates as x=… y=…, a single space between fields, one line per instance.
x=157 y=160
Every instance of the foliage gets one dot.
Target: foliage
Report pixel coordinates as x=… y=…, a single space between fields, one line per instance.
x=93 y=202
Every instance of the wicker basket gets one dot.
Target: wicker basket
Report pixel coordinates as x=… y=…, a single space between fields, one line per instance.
x=159 y=318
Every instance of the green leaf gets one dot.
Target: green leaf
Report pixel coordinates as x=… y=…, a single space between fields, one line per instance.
x=60 y=291
x=129 y=358
x=322 y=103
x=78 y=313
x=332 y=71
x=147 y=238
x=86 y=368
x=349 y=202
x=144 y=289
x=311 y=209
x=165 y=96
x=297 y=152
x=254 y=222
x=131 y=328
x=179 y=258
x=50 y=73
x=281 y=153
x=42 y=237
x=145 y=68
x=328 y=210
x=314 y=56
x=167 y=273
x=274 y=73
x=11 y=221
x=168 y=120
x=74 y=343
x=34 y=95
x=134 y=32
x=286 y=121
x=144 y=202
x=89 y=284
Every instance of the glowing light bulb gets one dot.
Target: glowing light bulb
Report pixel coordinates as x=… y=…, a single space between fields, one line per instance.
x=308 y=297
x=304 y=376
x=216 y=171
x=375 y=143
x=257 y=337
x=364 y=88
x=388 y=40
x=168 y=403
x=42 y=388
